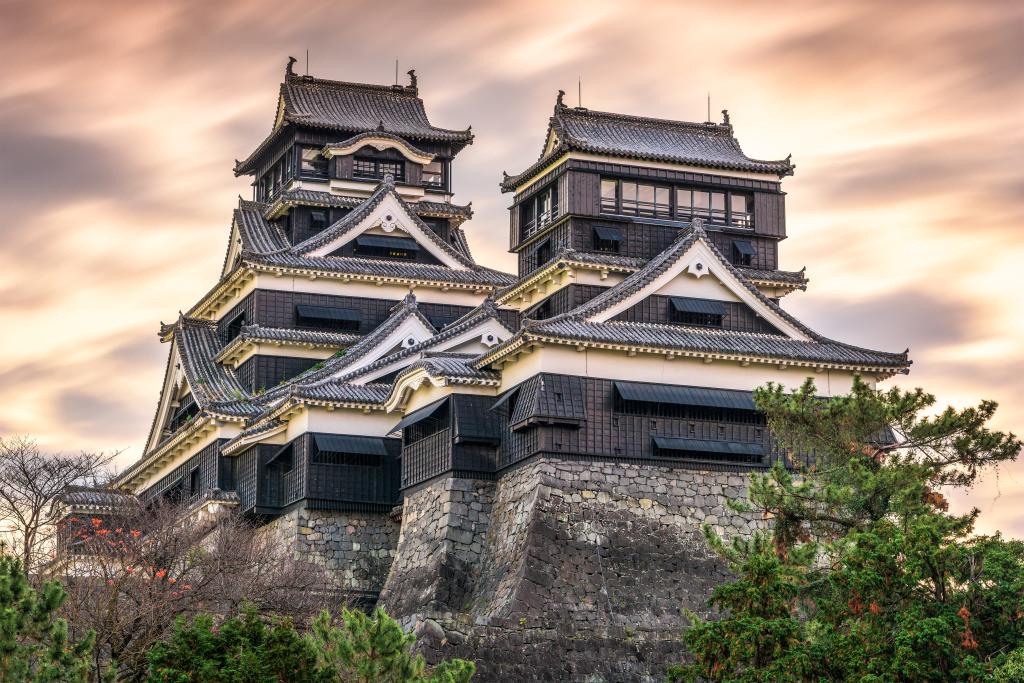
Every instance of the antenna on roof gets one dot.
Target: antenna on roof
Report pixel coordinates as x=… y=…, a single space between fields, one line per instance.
x=396 y=71
x=579 y=91
x=709 y=106
x=307 y=61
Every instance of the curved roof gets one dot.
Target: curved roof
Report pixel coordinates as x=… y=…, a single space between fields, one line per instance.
x=709 y=145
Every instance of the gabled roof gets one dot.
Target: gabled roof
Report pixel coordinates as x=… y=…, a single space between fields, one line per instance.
x=257 y=334
x=402 y=313
x=285 y=200
x=708 y=145
x=216 y=389
x=353 y=108
x=351 y=223
x=481 y=314
x=591 y=323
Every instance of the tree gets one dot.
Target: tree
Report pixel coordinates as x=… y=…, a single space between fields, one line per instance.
x=246 y=648
x=34 y=644
x=243 y=649
x=130 y=574
x=375 y=649
x=30 y=483
x=865 y=574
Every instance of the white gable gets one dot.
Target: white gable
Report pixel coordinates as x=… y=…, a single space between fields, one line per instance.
x=486 y=334
x=700 y=274
x=174 y=383
x=234 y=249
x=388 y=216
x=411 y=332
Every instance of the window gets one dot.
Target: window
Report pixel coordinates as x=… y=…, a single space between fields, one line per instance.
x=364 y=167
x=379 y=246
x=539 y=210
x=699 y=312
x=609 y=195
x=741 y=210
x=743 y=253
x=543 y=253
x=194 y=481
x=648 y=201
x=313 y=163
x=317 y=220
x=433 y=174
x=607 y=239
x=711 y=206
x=234 y=327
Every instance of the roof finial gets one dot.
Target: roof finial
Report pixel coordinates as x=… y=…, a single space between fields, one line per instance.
x=380 y=126
x=412 y=78
x=560 y=103
x=725 y=117
x=697 y=225
x=288 y=69
x=410 y=299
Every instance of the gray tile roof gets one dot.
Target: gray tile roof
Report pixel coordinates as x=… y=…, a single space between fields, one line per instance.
x=354 y=108
x=675 y=337
x=708 y=145
x=451 y=366
x=96 y=498
x=216 y=389
x=345 y=392
x=259 y=333
x=325 y=199
x=401 y=312
x=402 y=270
x=486 y=311
x=574 y=326
x=351 y=221
x=257 y=233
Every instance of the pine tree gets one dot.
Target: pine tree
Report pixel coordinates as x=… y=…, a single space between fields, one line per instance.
x=865 y=575
x=34 y=643
x=374 y=648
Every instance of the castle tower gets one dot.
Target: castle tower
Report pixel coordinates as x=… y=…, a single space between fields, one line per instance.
x=516 y=467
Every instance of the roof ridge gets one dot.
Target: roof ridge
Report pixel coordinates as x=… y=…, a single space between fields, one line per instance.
x=707 y=127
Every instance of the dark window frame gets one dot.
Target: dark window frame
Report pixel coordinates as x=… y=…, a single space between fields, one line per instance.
x=539 y=211
x=314 y=167
x=674 y=209
x=364 y=167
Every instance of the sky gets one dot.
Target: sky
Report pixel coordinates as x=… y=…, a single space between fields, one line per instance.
x=120 y=124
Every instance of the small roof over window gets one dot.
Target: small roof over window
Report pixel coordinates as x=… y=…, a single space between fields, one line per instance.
x=341 y=443
x=421 y=414
x=382 y=242
x=685 y=304
x=328 y=312
x=608 y=234
x=744 y=247
x=688 y=396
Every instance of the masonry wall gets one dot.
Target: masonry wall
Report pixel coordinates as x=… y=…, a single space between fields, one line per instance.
x=562 y=570
x=356 y=547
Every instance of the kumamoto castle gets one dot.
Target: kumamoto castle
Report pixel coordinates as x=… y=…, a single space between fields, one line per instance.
x=516 y=467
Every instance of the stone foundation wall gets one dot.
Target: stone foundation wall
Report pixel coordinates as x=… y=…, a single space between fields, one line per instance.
x=357 y=547
x=444 y=525
x=563 y=570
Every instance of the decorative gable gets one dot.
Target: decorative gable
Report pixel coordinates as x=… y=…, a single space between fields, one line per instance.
x=697 y=273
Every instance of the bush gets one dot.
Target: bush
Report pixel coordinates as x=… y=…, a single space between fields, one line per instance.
x=246 y=648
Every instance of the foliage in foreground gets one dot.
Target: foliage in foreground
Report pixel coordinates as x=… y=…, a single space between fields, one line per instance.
x=864 y=574
x=34 y=644
x=356 y=647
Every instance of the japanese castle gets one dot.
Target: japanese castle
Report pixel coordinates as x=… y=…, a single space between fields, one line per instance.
x=353 y=357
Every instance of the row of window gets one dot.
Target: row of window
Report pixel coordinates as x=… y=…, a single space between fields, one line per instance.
x=539 y=210
x=313 y=164
x=630 y=198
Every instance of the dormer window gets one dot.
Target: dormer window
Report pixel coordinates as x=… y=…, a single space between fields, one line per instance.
x=433 y=174
x=366 y=167
x=312 y=163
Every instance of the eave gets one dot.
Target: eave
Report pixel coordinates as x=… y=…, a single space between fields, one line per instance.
x=379 y=280
x=527 y=342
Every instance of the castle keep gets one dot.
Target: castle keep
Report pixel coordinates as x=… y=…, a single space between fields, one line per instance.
x=516 y=466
